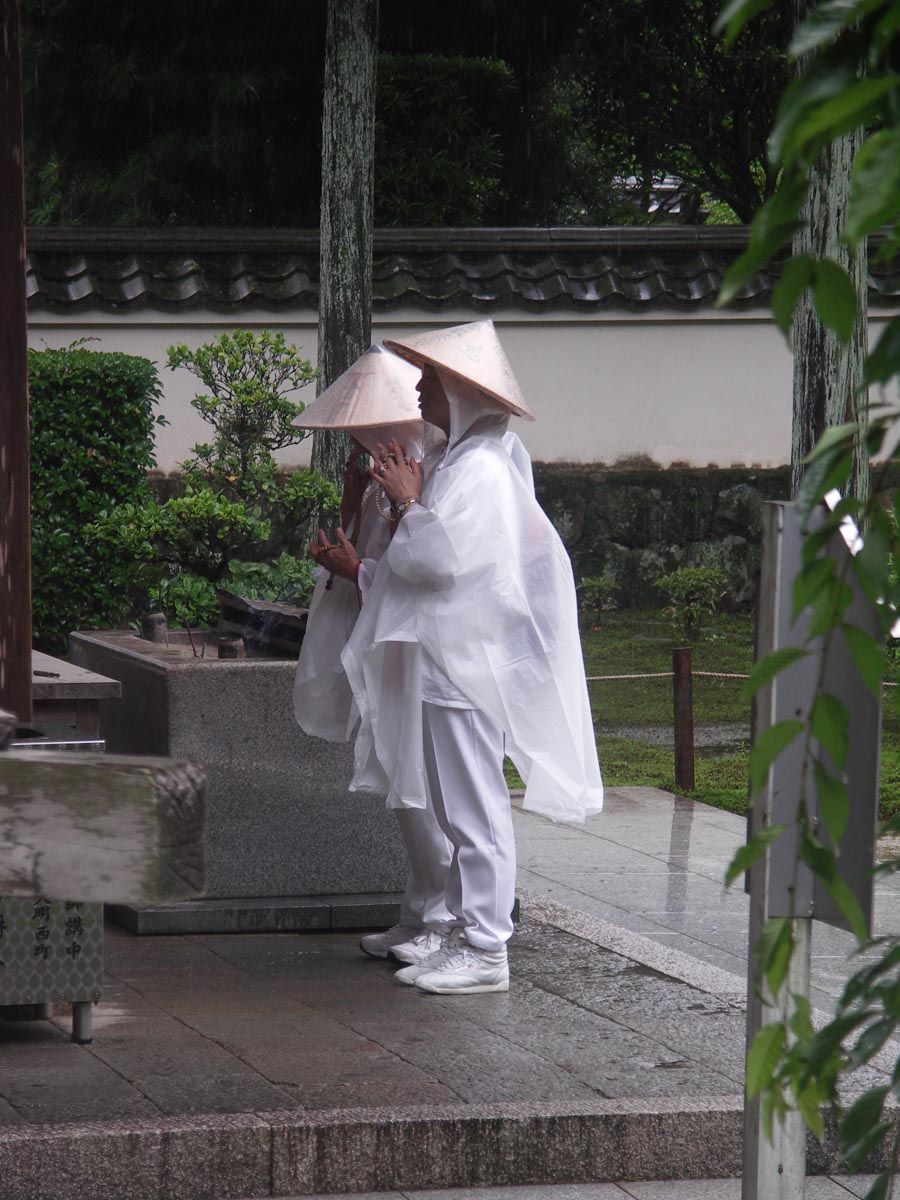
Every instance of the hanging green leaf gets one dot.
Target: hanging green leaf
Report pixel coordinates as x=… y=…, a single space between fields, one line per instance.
x=831 y=470
x=868 y=656
x=835 y=435
x=805 y=95
x=884 y=360
x=834 y=803
x=780 y=1108
x=814 y=541
x=830 y=725
x=875 y=185
x=834 y=298
x=796 y=276
x=754 y=849
x=768 y=746
x=826 y=1043
x=828 y=20
x=835 y=599
x=839 y=113
x=763 y=1056
x=886 y=29
x=774 y=965
x=767 y=668
x=848 y=907
x=801 y=1025
x=772 y=931
x=810 y=584
x=773 y=227
x=862 y=1115
x=881 y=1187
x=735 y=15
x=809 y=1105
x=871 y=565
x=862 y=980
x=870 y=1042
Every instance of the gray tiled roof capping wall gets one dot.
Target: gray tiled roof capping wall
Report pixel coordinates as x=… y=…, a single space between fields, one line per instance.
x=534 y=269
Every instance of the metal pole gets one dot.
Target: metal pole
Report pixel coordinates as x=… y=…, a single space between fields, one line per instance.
x=81 y=1022
x=15 y=523
x=776 y=1169
x=684 y=718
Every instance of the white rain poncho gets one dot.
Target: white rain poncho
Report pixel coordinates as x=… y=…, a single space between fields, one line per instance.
x=477 y=577
x=323 y=701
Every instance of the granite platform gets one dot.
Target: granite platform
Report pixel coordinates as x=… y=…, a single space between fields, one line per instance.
x=257 y=1065
x=285 y=840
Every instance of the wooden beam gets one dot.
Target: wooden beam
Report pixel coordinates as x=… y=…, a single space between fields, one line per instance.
x=15 y=525
x=113 y=828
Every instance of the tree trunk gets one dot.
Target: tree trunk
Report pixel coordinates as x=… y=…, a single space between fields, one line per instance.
x=348 y=144
x=828 y=375
x=15 y=523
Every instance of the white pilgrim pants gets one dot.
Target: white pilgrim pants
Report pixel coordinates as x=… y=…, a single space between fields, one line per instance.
x=429 y=852
x=464 y=771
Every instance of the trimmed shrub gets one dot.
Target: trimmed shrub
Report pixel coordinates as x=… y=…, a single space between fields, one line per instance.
x=236 y=515
x=693 y=593
x=92 y=425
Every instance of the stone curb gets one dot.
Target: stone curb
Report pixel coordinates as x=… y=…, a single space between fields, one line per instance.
x=362 y=1150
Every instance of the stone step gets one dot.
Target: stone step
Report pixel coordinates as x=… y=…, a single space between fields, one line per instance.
x=366 y=1150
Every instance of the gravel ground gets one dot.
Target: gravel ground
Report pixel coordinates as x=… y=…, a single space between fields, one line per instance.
x=705 y=736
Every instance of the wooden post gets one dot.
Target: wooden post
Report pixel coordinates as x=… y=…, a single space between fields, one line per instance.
x=682 y=689
x=15 y=524
x=348 y=155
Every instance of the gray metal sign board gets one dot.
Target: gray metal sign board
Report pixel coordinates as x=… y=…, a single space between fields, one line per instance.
x=792 y=889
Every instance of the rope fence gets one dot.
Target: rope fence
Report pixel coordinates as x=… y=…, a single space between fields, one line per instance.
x=695 y=674
x=682 y=676
x=668 y=675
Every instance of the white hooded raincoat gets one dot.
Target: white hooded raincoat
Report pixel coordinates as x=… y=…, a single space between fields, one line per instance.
x=323 y=701
x=477 y=578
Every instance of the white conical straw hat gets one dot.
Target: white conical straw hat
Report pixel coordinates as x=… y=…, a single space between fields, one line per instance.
x=472 y=352
x=379 y=389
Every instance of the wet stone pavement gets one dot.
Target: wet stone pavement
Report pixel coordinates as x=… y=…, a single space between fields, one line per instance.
x=270 y=1022
x=627 y=988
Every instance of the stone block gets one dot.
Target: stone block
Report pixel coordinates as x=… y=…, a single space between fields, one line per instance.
x=505 y=1145
x=280 y=821
x=202 y=1158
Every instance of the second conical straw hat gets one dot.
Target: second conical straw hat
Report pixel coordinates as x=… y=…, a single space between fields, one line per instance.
x=472 y=351
x=379 y=389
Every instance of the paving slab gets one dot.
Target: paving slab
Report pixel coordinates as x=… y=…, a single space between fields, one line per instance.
x=616 y=1055
x=819 y=1188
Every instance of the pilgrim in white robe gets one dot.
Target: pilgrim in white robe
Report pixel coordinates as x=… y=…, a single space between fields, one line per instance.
x=475 y=588
x=323 y=701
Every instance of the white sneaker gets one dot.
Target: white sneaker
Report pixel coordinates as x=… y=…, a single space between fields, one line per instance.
x=422 y=946
x=466 y=971
x=377 y=944
x=408 y=975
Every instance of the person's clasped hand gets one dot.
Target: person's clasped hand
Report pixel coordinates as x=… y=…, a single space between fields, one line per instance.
x=338 y=556
x=399 y=476
x=355 y=479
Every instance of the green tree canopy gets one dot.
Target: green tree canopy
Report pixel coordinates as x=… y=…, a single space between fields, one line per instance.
x=489 y=111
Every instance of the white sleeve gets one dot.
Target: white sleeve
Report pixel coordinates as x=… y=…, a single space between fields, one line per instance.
x=367 y=569
x=421 y=551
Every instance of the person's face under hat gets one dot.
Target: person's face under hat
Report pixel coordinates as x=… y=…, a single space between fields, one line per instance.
x=433 y=402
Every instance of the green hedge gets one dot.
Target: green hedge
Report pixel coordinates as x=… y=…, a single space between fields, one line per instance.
x=92 y=425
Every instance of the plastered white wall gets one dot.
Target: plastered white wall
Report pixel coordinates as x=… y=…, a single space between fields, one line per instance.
x=699 y=388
